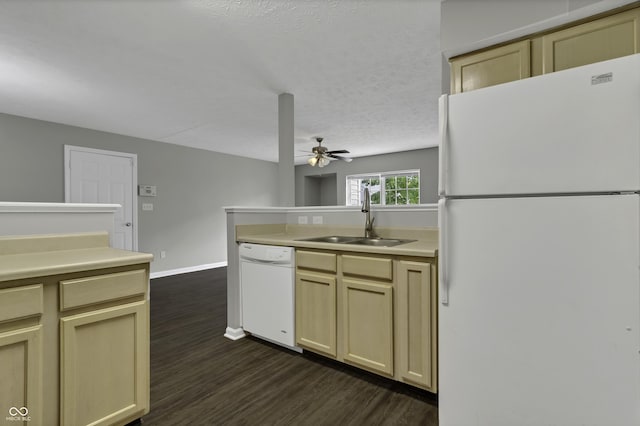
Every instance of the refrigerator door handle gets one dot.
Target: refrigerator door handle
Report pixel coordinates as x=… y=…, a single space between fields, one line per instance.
x=443 y=107
x=443 y=255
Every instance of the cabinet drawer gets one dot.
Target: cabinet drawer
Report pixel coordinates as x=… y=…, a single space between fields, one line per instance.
x=374 y=267
x=316 y=260
x=101 y=288
x=20 y=302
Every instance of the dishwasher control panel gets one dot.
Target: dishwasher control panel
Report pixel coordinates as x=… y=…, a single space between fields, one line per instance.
x=270 y=254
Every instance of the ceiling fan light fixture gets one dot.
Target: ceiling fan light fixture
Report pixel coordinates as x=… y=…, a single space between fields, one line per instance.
x=322 y=156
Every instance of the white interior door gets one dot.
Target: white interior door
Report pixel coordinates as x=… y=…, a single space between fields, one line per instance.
x=97 y=176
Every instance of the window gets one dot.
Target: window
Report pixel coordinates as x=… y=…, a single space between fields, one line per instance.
x=388 y=188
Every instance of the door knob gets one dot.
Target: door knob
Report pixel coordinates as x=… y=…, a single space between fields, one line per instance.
x=128 y=224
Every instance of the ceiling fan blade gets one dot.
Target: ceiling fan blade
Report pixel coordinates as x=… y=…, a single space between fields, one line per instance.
x=321 y=156
x=347 y=159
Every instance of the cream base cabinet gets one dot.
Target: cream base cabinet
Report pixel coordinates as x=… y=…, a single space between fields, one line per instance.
x=377 y=312
x=21 y=354
x=367 y=325
x=21 y=375
x=104 y=365
x=417 y=324
x=316 y=312
x=74 y=331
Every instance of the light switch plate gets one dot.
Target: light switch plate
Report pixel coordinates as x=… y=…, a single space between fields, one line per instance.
x=147 y=190
x=147 y=207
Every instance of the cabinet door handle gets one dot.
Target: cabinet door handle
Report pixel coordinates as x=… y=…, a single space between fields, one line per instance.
x=128 y=224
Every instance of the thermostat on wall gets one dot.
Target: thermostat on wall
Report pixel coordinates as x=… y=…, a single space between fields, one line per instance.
x=147 y=190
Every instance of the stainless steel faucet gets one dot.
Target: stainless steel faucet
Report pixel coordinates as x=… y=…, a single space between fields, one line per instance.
x=366 y=208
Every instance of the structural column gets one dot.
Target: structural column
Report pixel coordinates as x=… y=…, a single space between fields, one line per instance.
x=286 y=152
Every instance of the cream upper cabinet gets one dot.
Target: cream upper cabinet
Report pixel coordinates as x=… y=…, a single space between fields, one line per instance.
x=491 y=67
x=417 y=324
x=600 y=40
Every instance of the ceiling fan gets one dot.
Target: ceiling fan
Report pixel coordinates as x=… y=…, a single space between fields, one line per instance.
x=322 y=156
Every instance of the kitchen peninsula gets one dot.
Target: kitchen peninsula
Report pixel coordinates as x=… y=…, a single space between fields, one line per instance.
x=74 y=317
x=74 y=329
x=371 y=306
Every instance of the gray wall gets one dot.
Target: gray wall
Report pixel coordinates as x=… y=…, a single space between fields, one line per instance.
x=329 y=190
x=320 y=190
x=424 y=159
x=188 y=220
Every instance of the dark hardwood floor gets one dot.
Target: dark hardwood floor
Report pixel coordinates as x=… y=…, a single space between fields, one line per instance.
x=198 y=377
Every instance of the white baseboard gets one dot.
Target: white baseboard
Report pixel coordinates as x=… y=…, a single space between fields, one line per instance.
x=234 y=333
x=178 y=271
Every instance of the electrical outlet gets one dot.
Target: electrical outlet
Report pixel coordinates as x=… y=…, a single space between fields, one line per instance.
x=303 y=220
x=163 y=254
x=317 y=220
x=147 y=207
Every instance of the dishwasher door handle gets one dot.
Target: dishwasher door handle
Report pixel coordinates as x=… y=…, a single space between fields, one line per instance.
x=267 y=262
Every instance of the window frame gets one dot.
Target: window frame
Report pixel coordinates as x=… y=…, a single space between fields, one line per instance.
x=382 y=177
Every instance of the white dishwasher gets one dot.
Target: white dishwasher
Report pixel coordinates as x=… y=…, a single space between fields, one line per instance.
x=267 y=278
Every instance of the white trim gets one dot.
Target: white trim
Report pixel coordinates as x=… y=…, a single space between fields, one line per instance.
x=330 y=209
x=134 y=180
x=390 y=173
x=17 y=207
x=256 y=209
x=234 y=333
x=179 y=271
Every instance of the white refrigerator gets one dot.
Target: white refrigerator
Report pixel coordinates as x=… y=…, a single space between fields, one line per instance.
x=539 y=314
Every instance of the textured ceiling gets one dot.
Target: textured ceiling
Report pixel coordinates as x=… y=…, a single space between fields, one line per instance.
x=365 y=74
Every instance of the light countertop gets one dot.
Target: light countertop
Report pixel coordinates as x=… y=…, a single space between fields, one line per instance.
x=426 y=244
x=34 y=256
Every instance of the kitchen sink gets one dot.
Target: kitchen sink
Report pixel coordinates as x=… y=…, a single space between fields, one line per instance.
x=376 y=242
x=337 y=239
x=380 y=242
